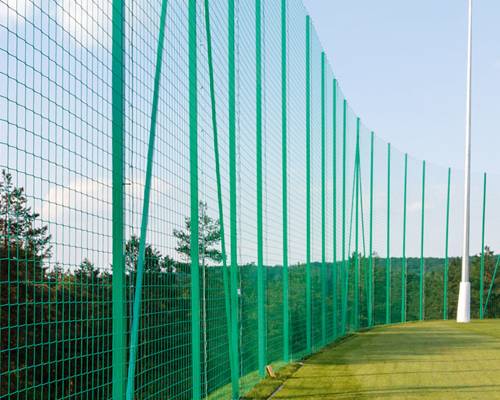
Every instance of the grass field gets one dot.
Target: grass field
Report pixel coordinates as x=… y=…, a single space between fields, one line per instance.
x=425 y=360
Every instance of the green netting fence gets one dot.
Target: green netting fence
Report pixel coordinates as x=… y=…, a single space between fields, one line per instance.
x=122 y=121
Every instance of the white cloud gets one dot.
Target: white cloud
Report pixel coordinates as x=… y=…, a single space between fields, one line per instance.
x=88 y=21
x=11 y=10
x=85 y=195
x=79 y=216
x=94 y=198
x=414 y=206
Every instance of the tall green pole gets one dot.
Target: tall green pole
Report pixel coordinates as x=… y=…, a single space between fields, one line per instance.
x=446 y=261
x=334 y=169
x=286 y=318
x=356 y=256
x=134 y=334
x=344 y=264
x=118 y=288
x=422 y=230
x=481 y=278
x=261 y=295
x=308 y=187
x=370 y=271
x=388 y=244
x=323 y=203
x=233 y=201
x=404 y=268
x=225 y=277
x=193 y=158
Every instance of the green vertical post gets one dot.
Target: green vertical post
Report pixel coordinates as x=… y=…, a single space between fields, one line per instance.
x=481 y=277
x=370 y=270
x=446 y=261
x=261 y=294
x=344 y=266
x=193 y=161
x=225 y=277
x=118 y=289
x=286 y=320
x=308 y=186
x=134 y=334
x=404 y=268
x=356 y=255
x=334 y=184
x=323 y=203
x=233 y=200
x=388 y=244
x=422 y=229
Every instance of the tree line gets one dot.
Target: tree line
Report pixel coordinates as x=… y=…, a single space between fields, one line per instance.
x=56 y=324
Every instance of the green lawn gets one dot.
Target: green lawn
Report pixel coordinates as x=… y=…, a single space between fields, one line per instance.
x=427 y=360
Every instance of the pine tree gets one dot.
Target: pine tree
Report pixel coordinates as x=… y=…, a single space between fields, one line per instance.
x=87 y=272
x=24 y=245
x=209 y=238
x=153 y=258
x=22 y=239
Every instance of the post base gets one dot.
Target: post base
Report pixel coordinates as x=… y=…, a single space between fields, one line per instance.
x=463 y=310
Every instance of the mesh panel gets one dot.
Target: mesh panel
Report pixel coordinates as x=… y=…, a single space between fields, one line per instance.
x=309 y=225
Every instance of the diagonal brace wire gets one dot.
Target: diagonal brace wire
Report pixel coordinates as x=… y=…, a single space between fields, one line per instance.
x=145 y=210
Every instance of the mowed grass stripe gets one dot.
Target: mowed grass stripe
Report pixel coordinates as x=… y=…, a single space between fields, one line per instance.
x=425 y=360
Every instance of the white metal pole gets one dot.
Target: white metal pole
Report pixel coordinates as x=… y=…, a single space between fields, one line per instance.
x=463 y=311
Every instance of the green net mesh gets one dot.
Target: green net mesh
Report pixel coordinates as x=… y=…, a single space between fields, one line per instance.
x=122 y=121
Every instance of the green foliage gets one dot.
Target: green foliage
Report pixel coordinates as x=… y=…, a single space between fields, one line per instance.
x=154 y=260
x=86 y=271
x=63 y=317
x=209 y=237
x=22 y=239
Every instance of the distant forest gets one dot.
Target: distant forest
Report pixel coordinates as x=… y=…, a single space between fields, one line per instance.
x=56 y=324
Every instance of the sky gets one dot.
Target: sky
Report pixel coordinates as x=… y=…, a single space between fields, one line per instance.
x=402 y=66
